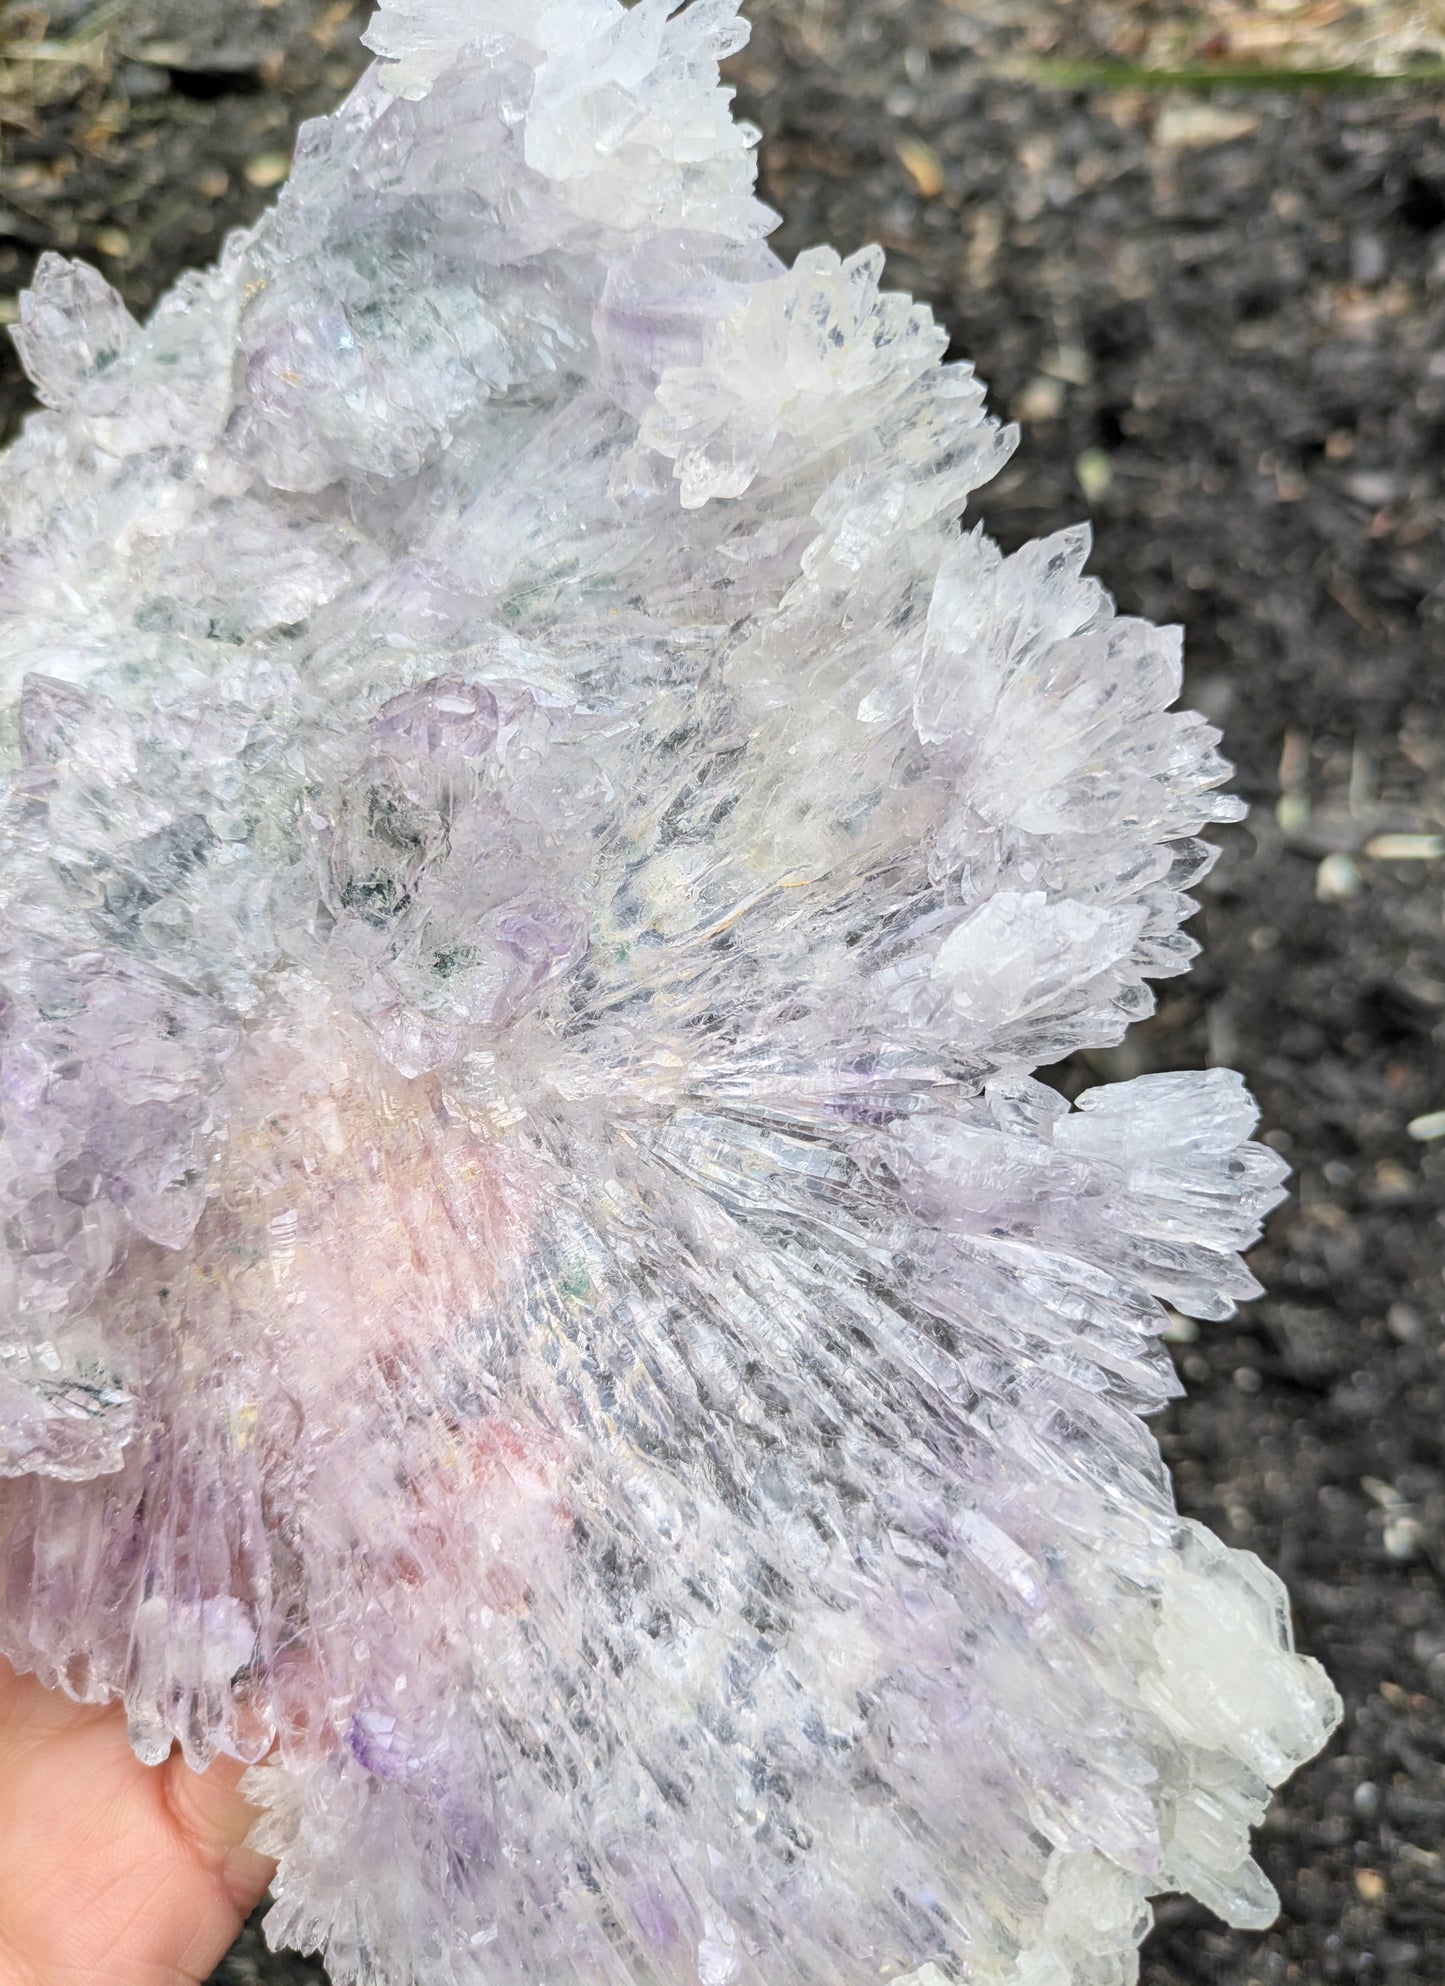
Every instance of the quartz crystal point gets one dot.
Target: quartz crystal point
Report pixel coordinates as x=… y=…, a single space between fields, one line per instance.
x=543 y=1305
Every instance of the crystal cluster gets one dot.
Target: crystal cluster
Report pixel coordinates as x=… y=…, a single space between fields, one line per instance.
x=542 y=1302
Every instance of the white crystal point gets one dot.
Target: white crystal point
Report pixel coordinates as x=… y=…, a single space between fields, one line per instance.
x=805 y=363
x=541 y=1298
x=72 y=326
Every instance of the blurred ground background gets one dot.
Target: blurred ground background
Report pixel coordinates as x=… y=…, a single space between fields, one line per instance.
x=1198 y=251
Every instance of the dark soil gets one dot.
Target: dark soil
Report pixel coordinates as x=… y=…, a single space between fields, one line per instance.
x=1221 y=321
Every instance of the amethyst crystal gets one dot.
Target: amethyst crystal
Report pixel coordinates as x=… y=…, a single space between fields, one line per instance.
x=542 y=1300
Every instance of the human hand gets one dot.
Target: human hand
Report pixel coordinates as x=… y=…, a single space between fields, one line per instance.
x=113 y=1873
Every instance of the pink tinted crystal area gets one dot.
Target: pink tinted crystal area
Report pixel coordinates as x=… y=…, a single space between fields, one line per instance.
x=543 y=1306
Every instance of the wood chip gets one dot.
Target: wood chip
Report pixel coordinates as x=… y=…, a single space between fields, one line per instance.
x=1405 y=847
x=924 y=166
x=1188 y=127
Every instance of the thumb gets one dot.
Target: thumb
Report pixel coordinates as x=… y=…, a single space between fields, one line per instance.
x=208 y=1810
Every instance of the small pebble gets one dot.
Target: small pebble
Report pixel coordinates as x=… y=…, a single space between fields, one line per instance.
x=1392 y=1181
x=1095 y=473
x=1180 y=1330
x=1369 y=257
x=1337 y=879
x=1423 y=1129
x=266 y=169
x=1403 y=1323
x=1041 y=400
x=1403 y=1537
x=1373 y=486
x=1292 y=811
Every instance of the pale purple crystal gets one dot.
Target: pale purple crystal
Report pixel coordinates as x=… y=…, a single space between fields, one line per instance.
x=541 y=1297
